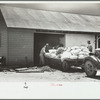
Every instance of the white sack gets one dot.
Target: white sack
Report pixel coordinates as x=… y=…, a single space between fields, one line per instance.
x=75 y=47
x=81 y=53
x=52 y=51
x=68 y=49
x=81 y=56
x=75 y=52
x=73 y=57
x=65 y=55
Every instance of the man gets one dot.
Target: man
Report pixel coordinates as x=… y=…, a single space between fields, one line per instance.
x=89 y=46
x=42 y=52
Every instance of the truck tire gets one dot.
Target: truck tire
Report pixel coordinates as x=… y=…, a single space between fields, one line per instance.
x=65 y=66
x=90 y=68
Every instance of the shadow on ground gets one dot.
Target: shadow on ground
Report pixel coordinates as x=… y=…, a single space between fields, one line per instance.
x=74 y=70
x=96 y=77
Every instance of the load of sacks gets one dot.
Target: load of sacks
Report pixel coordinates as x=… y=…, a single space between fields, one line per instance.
x=75 y=52
x=55 y=53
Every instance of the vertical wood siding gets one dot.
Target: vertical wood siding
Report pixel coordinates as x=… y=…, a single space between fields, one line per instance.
x=79 y=39
x=20 y=47
x=3 y=37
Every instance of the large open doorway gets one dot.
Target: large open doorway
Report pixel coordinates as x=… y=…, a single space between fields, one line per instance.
x=40 y=39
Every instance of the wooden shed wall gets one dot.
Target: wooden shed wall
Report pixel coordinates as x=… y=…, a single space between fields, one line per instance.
x=77 y=39
x=20 y=46
x=3 y=37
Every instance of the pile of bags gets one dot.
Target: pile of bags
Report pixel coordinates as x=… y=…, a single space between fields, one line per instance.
x=75 y=52
x=55 y=53
x=51 y=54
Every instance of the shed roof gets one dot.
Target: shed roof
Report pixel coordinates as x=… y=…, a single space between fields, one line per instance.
x=49 y=20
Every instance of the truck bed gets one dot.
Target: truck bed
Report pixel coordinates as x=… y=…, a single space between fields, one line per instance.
x=57 y=63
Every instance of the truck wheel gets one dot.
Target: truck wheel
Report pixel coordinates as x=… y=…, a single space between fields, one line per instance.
x=90 y=68
x=65 y=66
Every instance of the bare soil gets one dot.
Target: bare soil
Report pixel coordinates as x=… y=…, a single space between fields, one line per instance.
x=46 y=74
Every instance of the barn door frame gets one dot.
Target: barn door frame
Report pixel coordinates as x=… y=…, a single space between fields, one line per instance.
x=97 y=40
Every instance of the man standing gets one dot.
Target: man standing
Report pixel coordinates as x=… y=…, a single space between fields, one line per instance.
x=89 y=46
x=42 y=52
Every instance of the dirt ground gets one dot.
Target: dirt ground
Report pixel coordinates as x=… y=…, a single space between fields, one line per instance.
x=45 y=74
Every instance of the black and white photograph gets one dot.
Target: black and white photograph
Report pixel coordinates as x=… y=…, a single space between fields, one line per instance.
x=50 y=42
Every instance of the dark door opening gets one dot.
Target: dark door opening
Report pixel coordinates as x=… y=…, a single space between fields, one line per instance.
x=98 y=41
x=41 y=39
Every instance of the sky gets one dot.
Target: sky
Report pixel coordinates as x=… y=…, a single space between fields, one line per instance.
x=80 y=8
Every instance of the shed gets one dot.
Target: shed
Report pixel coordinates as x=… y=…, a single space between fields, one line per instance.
x=24 y=32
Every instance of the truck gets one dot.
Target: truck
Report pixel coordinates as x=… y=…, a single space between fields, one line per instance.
x=90 y=64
